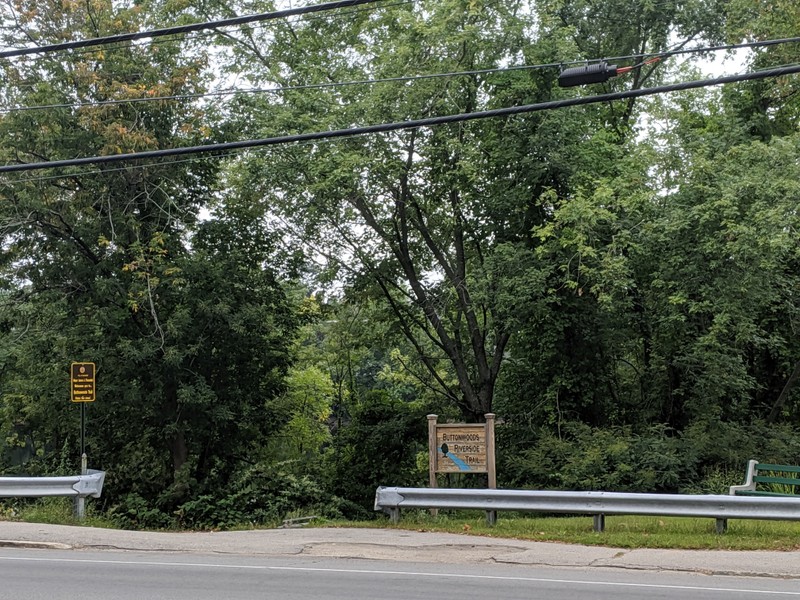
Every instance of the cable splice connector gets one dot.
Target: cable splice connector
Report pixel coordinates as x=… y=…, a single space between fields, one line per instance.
x=594 y=73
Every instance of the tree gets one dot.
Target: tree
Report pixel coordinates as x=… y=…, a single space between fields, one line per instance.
x=187 y=320
x=436 y=224
x=672 y=296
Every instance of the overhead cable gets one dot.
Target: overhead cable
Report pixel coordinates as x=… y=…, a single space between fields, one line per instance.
x=281 y=89
x=112 y=170
x=216 y=32
x=328 y=6
x=182 y=29
x=412 y=124
x=646 y=59
x=696 y=49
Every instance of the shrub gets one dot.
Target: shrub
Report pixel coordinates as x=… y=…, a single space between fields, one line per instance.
x=612 y=459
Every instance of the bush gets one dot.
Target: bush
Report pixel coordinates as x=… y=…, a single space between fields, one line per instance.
x=134 y=512
x=259 y=495
x=708 y=457
x=613 y=459
x=377 y=447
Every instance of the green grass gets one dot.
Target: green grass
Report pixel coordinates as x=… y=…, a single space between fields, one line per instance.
x=620 y=531
x=53 y=511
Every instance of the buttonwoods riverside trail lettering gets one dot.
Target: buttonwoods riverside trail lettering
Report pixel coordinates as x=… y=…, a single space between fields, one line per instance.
x=461 y=448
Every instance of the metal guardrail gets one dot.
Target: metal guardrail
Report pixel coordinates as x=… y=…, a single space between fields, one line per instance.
x=597 y=504
x=81 y=486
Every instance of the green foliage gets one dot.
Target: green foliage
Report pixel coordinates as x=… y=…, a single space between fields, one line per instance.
x=305 y=407
x=261 y=495
x=715 y=480
x=708 y=457
x=585 y=458
x=58 y=511
x=621 y=291
x=186 y=320
x=377 y=446
x=426 y=224
x=135 y=512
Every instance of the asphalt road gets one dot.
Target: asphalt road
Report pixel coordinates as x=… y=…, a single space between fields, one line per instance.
x=41 y=561
x=47 y=574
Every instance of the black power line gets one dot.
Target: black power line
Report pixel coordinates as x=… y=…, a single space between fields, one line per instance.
x=182 y=29
x=276 y=90
x=697 y=49
x=413 y=124
x=281 y=89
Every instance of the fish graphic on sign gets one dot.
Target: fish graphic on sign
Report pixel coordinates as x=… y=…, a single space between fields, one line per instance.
x=461 y=448
x=445 y=450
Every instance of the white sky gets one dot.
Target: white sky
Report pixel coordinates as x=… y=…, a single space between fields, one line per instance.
x=725 y=63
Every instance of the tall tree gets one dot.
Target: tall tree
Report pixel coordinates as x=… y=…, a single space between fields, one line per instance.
x=437 y=223
x=402 y=210
x=186 y=321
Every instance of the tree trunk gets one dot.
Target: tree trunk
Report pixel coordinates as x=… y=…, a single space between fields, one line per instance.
x=776 y=408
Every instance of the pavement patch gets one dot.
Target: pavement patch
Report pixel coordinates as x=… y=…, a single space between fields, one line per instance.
x=429 y=553
x=31 y=544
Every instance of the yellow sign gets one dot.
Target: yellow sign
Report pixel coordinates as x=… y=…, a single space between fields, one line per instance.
x=82 y=378
x=461 y=448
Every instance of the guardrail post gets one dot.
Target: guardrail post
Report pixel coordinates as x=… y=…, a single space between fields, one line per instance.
x=394 y=515
x=722 y=525
x=599 y=523
x=491 y=518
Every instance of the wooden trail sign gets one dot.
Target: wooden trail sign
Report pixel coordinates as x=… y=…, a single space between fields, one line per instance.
x=461 y=448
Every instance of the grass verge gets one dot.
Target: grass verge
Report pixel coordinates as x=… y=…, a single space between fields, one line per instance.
x=53 y=511
x=620 y=531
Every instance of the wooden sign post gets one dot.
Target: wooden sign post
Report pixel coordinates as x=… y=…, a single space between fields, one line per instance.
x=462 y=448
